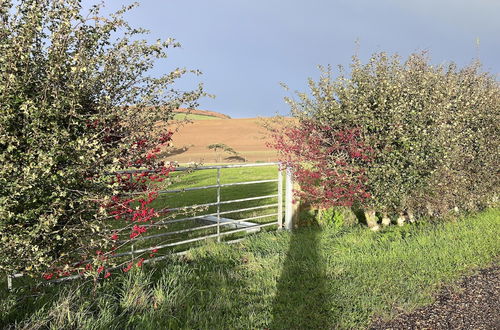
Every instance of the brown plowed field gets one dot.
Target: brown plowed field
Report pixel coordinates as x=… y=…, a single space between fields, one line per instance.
x=246 y=136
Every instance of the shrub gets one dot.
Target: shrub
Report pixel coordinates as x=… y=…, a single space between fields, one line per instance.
x=77 y=103
x=331 y=217
x=327 y=163
x=432 y=130
x=218 y=147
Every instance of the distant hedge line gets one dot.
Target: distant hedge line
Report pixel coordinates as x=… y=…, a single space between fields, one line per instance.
x=434 y=131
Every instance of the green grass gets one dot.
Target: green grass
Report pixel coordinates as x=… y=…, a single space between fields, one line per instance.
x=309 y=278
x=204 y=178
x=229 y=175
x=192 y=116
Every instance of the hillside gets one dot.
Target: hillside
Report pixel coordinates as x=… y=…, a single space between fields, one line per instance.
x=246 y=136
x=196 y=114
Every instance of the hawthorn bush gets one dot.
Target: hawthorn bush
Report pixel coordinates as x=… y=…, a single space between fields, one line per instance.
x=328 y=164
x=432 y=130
x=77 y=103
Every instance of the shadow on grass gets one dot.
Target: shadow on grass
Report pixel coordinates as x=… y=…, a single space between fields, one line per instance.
x=301 y=301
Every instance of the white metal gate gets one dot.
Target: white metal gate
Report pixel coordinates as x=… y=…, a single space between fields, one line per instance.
x=220 y=220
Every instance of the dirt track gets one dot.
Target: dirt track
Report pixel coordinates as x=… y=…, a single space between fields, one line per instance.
x=246 y=136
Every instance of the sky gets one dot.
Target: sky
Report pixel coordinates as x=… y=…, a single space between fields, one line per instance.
x=246 y=48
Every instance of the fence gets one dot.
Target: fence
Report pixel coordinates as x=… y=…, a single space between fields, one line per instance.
x=180 y=233
x=219 y=220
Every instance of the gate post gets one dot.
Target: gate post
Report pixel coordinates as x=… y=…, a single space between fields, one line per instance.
x=218 y=204
x=280 y=196
x=289 y=212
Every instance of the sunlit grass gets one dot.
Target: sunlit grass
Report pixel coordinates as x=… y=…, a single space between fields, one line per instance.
x=309 y=278
x=206 y=178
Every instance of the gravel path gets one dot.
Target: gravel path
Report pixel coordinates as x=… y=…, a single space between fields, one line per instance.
x=474 y=305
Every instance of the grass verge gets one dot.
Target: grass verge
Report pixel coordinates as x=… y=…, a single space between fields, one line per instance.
x=310 y=278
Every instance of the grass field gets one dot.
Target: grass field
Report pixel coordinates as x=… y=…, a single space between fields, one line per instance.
x=187 y=198
x=310 y=278
x=192 y=116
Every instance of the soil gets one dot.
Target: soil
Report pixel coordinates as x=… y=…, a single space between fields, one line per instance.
x=475 y=304
x=246 y=136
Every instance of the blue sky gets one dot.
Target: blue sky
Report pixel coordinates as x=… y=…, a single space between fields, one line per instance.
x=245 y=48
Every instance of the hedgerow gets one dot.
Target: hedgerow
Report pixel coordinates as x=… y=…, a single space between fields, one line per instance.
x=77 y=104
x=433 y=131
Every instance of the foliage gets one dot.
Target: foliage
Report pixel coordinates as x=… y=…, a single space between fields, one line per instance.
x=222 y=147
x=433 y=131
x=331 y=217
x=77 y=103
x=327 y=163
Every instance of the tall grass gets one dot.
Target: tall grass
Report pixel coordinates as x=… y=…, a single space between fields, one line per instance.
x=309 y=278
